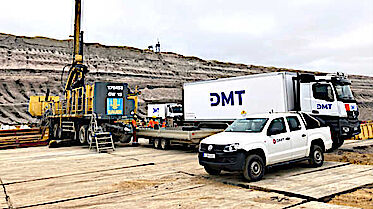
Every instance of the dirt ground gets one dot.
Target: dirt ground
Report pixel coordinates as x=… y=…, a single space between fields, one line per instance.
x=143 y=177
x=362 y=198
x=362 y=155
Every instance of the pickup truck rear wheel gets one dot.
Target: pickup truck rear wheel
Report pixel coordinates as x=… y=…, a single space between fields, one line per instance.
x=212 y=171
x=316 y=156
x=254 y=168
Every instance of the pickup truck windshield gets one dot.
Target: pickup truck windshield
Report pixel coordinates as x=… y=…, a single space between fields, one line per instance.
x=247 y=125
x=344 y=93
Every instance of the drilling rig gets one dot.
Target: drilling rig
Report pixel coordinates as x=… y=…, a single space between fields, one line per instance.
x=99 y=113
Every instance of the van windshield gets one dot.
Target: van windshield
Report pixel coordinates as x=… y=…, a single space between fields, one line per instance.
x=254 y=125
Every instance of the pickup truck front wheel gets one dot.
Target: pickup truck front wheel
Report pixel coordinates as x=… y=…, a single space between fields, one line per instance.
x=212 y=171
x=316 y=156
x=254 y=168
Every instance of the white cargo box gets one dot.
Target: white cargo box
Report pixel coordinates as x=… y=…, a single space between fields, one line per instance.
x=231 y=98
x=156 y=110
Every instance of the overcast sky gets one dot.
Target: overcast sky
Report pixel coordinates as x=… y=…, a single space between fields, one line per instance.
x=319 y=35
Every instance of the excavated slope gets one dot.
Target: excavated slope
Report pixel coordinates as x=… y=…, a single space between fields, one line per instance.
x=30 y=66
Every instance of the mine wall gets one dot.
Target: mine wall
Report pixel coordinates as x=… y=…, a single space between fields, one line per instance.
x=31 y=65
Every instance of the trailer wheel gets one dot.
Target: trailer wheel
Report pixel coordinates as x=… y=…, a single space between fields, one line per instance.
x=254 y=168
x=212 y=171
x=83 y=132
x=316 y=156
x=157 y=143
x=165 y=144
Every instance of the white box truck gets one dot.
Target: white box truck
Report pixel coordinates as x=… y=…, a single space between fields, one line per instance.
x=165 y=110
x=327 y=97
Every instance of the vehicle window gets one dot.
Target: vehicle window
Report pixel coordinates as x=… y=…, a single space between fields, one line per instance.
x=293 y=123
x=277 y=126
x=247 y=125
x=323 y=92
x=177 y=109
x=344 y=93
x=310 y=121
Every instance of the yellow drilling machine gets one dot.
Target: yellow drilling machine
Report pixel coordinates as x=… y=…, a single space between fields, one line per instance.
x=98 y=114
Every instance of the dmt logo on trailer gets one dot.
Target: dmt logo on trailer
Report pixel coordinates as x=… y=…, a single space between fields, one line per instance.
x=155 y=110
x=216 y=98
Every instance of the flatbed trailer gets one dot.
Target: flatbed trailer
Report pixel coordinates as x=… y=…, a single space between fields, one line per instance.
x=163 y=138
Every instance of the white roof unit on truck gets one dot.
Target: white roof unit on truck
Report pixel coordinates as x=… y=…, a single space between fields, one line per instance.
x=232 y=98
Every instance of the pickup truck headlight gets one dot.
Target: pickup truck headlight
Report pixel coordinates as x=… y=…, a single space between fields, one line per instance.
x=231 y=147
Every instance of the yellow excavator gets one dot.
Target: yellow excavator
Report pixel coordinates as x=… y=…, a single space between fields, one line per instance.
x=98 y=114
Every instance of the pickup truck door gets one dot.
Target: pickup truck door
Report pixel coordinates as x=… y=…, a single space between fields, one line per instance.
x=279 y=145
x=298 y=136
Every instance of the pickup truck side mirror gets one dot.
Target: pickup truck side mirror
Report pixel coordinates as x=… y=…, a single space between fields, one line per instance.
x=271 y=132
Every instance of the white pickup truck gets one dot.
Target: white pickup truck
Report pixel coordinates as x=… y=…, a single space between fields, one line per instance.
x=259 y=141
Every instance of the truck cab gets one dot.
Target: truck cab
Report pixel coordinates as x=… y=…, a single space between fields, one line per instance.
x=329 y=98
x=170 y=112
x=253 y=143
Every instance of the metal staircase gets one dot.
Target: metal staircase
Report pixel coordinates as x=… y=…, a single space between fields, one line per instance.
x=102 y=141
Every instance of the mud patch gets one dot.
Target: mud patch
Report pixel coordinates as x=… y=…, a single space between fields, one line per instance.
x=362 y=198
x=362 y=155
x=135 y=184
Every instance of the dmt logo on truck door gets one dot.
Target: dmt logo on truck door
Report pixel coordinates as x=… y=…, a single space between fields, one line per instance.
x=216 y=98
x=324 y=106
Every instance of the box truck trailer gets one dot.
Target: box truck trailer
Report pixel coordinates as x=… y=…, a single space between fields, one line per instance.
x=327 y=97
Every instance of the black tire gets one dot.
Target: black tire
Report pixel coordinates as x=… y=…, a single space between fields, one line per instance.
x=83 y=134
x=52 y=144
x=165 y=144
x=157 y=143
x=89 y=137
x=56 y=130
x=212 y=171
x=254 y=168
x=316 y=156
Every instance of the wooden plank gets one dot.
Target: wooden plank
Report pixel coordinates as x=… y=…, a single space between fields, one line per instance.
x=318 y=205
x=317 y=183
x=7 y=138
x=155 y=186
x=3 y=203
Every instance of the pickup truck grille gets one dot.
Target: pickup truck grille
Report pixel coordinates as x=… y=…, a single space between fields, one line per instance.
x=215 y=148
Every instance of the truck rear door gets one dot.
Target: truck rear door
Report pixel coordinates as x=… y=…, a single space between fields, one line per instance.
x=279 y=145
x=298 y=136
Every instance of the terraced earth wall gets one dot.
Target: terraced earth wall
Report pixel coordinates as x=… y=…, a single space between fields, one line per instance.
x=30 y=66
